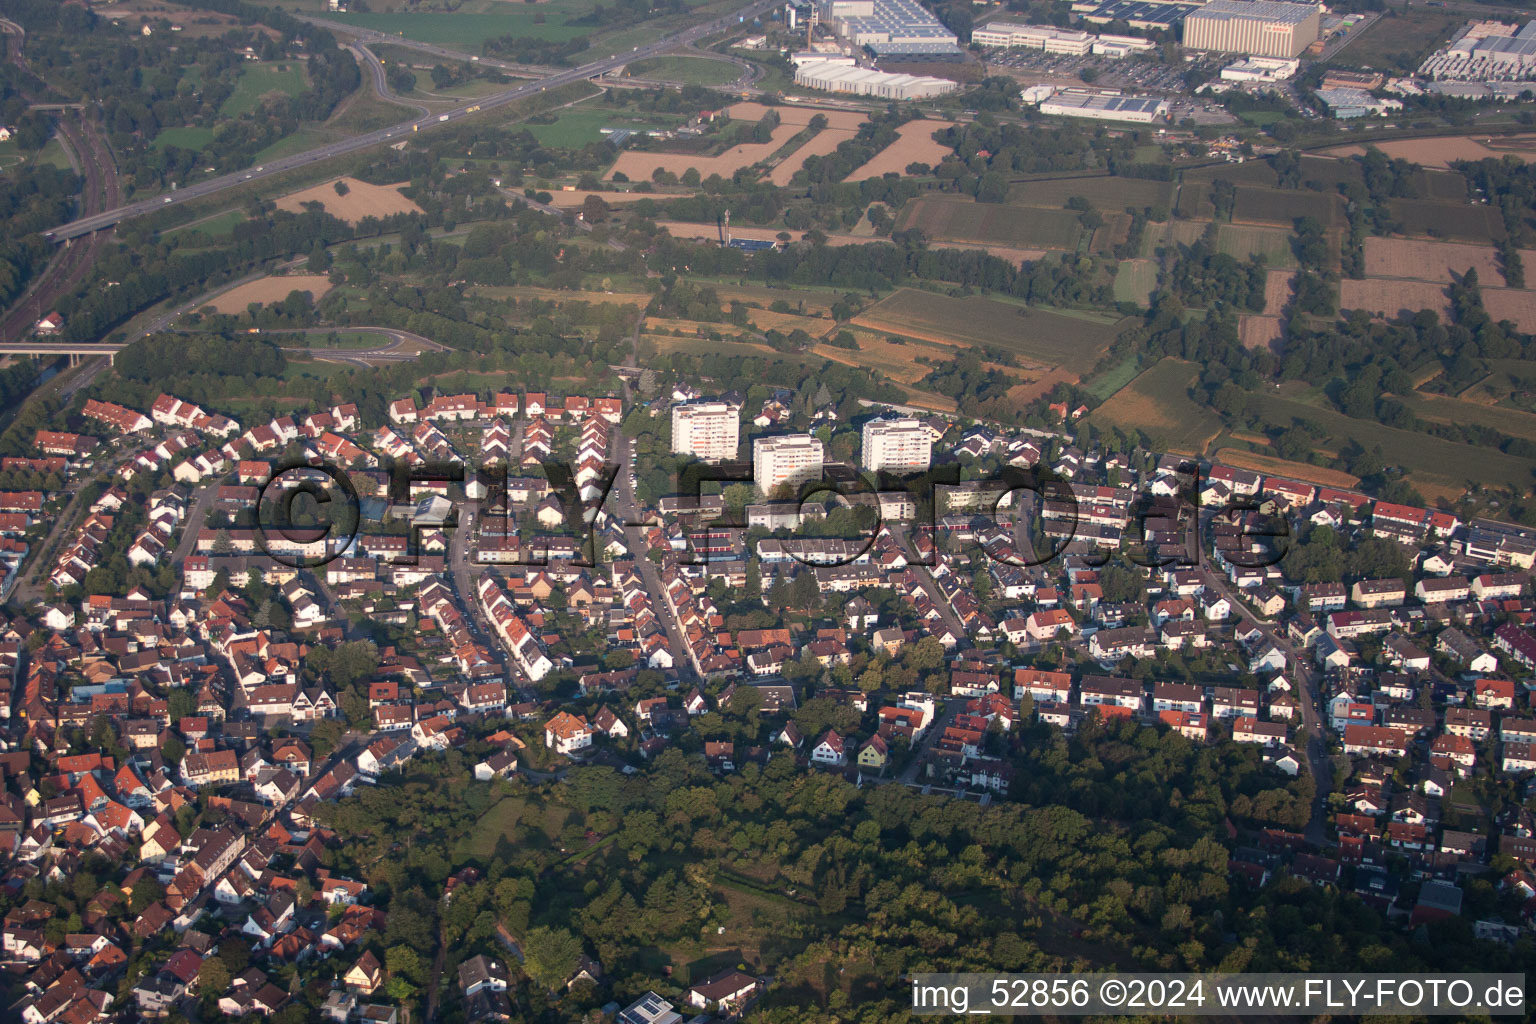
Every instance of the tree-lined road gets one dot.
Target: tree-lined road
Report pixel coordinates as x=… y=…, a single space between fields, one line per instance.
x=107 y=218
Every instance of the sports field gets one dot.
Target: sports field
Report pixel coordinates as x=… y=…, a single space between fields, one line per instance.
x=965 y=220
x=1157 y=402
x=259 y=80
x=1041 y=338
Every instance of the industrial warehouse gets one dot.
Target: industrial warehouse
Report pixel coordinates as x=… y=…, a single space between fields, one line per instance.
x=1099 y=105
x=1258 y=28
x=890 y=28
x=839 y=76
x=1010 y=35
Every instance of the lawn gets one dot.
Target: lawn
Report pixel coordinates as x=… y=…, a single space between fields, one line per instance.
x=1157 y=403
x=964 y=220
x=259 y=80
x=494 y=826
x=574 y=127
x=1042 y=338
x=187 y=137
x=687 y=70
x=215 y=227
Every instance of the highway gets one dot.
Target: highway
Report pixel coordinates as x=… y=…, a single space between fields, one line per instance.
x=108 y=218
x=370 y=60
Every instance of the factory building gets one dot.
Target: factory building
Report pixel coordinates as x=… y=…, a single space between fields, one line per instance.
x=1259 y=28
x=1102 y=106
x=891 y=24
x=835 y=77
x=1142 y=15
x=1260 y=69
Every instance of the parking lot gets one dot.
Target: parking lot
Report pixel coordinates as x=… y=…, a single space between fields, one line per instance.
x=1133 y=74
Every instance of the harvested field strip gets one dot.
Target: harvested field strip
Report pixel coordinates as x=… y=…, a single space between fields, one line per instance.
x=1239 y=458
x=526 y=291
x=1390 y=297
x=1430 y=261
x=844 y=120
x=965 y=220
x=362 y=200
x=1135 y=280
x=269 y=290
x=915 y=145
x=1259 y=331
x=1277 y=291
x=1244 y=240
x=1482 y=224
x=1517 y=304
x=1439 y=409
x=1442 y=152
x=1105 y=193
x=820 y=144
x=640 y=166
x=1283 y=207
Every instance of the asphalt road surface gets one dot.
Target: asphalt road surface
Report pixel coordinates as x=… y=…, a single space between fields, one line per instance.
x=95 y=222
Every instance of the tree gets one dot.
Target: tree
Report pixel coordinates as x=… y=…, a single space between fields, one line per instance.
x=551 y=956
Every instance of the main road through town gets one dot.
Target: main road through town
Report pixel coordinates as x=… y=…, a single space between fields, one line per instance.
x=107 y=218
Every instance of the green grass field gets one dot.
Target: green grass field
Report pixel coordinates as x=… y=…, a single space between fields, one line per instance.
x=1052 y=339
x=1105 y=193
x=1457 y=221
x=963 y=220
x=574 y=127
x=187 y=137
x=257 y=80
x=1135 y=280
x=53 y=153
x=1244 y=240
x=1157 y=402
x=1249 y=172
x=687 y=70
x=216 y=227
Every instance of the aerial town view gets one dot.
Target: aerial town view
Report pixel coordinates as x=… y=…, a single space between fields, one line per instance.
x=662 y=511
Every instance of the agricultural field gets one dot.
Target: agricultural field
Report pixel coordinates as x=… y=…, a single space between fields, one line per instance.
x=1041 y=338
x=1277 y=291
x=1194 y=202
x=1398 y=40
x=362 y=200
x=269 y=290
x=951 y=218
x=1249 y=172
x=1517 y=304
x=641 y=166
x=1114 y=231
x=894 y=357
x=259 y=80
x=1441 y=152
x=800 y=117
x=820 y=144
x=806 y=301
x=915 y=145
x=1284 y=206
x=1436 y=466
x=1104 y=192
x=575 y=197
x=1259 y=331
x=1270 y=465
x=1458 y=221
x=1442 y=409
x=1170 y=233
x=1135 y=280
x=1244 y=240
x=526 y=293
x=1430 y=261
x=1389 y=297
x=1157 y=402
x=687 y=70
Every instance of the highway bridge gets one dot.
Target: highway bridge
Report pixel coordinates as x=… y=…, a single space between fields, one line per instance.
x=85 y=350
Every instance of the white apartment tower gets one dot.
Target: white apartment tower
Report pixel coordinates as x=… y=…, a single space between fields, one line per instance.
x=896 y=446
x=706 y=430
x=791 y=459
